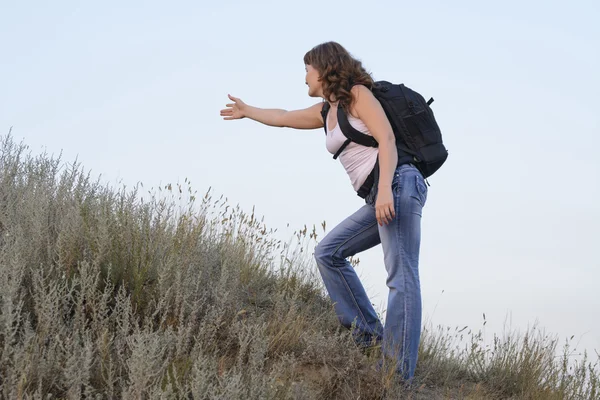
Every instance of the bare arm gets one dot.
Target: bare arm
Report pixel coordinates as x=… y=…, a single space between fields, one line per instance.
x=369 y=110
x=308 y=118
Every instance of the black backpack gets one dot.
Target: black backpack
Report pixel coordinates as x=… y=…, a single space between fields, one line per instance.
x=418 y=136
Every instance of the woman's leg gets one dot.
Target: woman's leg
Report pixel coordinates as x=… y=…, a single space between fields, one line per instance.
x=355 y=234
x=400 y=241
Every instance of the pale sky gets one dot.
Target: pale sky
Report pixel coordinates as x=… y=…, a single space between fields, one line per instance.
x=512 y=222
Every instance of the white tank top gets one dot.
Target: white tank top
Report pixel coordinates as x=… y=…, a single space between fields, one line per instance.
x=358 y=160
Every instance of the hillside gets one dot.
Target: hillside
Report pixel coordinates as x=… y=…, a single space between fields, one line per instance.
x=144 y=294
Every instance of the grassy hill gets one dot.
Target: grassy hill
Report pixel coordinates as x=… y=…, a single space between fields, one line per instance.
x=108 y=294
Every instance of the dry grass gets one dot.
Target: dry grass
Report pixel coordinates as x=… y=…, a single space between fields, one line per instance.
x=105 y=295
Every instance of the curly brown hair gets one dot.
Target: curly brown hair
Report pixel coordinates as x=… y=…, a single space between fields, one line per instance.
x=338 y=72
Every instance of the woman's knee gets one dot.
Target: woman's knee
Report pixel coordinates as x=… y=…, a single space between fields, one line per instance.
x=323 y=254
x=319 y=253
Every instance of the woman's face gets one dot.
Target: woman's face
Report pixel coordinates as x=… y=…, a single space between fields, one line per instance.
x=312 y=80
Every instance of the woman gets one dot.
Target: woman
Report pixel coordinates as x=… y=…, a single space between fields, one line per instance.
x=391 y=215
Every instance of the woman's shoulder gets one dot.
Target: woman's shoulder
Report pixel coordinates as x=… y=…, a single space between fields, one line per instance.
x=360 y=89
x=358 y=92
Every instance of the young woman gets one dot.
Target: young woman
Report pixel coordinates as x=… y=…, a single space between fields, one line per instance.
x=391 y=215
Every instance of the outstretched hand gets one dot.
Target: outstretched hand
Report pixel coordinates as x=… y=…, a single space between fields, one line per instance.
x=234 y=110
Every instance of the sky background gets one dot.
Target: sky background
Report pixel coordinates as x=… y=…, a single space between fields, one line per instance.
x=512 y=223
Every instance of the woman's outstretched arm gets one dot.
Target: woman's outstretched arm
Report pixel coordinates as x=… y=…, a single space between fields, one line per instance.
x=308 y=118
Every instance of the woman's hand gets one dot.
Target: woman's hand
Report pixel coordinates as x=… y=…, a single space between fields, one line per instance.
x=384 y=206
x=235 y=110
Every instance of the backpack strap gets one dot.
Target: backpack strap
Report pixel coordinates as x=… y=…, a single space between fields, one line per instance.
x=352 y=134
x=342 y=147
x=324 y=112
x=371 y=180
x=348 y=130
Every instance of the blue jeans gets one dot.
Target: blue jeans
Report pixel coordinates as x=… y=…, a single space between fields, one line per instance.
x=400 y=240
